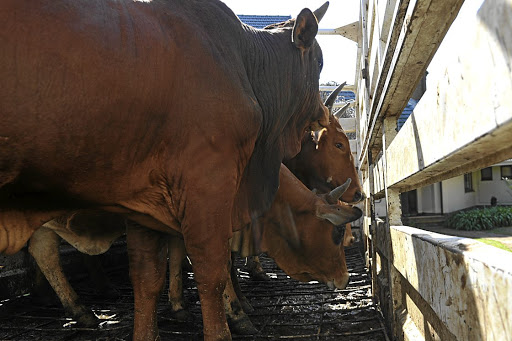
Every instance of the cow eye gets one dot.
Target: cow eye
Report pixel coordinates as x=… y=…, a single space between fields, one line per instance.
x=339 y=145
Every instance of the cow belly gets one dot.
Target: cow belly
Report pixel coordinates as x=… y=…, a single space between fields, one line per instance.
x=16 y=227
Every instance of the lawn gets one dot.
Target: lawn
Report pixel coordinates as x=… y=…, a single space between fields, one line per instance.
x=495 y=243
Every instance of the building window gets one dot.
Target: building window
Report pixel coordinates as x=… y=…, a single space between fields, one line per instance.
x=506 y=172
x=468 y=182
x=486 y=174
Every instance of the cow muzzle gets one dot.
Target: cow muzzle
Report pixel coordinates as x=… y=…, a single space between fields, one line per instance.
x=339 y=283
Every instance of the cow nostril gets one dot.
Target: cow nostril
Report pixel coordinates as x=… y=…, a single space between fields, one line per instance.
x=358 y=196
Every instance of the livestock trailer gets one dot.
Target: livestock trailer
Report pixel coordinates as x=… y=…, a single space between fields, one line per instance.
x=407 y=283
x=432 y=286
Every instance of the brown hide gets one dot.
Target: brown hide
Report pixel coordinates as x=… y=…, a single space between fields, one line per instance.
x=326 y=162
x=100 y=108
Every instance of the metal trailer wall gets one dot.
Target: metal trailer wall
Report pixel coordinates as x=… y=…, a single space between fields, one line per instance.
x=431 y=286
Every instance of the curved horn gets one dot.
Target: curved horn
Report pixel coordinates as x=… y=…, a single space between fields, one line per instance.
x=342 y=110
x=319 y=13
x=335 y=194
x=329 y=102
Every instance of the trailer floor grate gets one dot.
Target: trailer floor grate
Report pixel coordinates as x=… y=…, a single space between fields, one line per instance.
x=284 y=309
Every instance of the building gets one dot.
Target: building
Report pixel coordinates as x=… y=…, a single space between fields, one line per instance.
x=261 y=21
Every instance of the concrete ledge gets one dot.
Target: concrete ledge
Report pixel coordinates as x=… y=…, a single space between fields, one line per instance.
x=466 y=283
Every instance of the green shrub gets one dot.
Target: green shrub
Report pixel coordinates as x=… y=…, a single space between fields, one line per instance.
x=481 y=218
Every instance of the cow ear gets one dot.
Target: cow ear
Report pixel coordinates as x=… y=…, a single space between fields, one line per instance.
x=305 y=29
x=317 y=135
x=335 y=214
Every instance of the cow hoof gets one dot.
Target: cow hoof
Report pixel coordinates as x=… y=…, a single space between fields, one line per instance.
x=259 y=276
x=246 y=306
x=87 y=319
x=242 y=326
x=182 y=315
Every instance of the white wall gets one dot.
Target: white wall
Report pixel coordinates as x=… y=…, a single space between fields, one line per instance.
x=497 y=188
x=454 y=196
x=429 y=199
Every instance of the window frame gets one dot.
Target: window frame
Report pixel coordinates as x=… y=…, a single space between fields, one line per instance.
x=485 y=178
x=468 y=183
x=507 y=177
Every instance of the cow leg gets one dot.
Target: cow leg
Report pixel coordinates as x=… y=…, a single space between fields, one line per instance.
x=348 y=238
x=147 y=251
x=238 y=290
x=177 y=255
x=42 y=293
x=44 y=247
x=255 y=269
x=238 y=320
x=210 y=266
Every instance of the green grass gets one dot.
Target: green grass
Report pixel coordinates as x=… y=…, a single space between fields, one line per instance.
x=495 y=243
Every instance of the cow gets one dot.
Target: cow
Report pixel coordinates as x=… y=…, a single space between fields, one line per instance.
x=100 y=110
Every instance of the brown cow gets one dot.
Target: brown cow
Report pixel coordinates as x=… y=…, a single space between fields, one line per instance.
x=99 y=109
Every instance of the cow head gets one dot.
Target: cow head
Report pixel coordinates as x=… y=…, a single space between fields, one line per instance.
x=325 y=160
x=301 y=232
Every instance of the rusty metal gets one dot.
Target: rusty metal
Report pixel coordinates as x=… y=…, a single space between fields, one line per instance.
x=284 y=309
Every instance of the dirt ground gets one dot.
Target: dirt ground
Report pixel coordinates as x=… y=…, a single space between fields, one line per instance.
x=284 y=309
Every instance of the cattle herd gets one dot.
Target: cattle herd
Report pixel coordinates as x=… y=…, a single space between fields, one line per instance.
x=174 y=124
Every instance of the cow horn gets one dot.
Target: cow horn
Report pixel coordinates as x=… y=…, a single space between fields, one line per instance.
x=329 y=102
x=320 y=12
x=335 y=194
x=342 y=110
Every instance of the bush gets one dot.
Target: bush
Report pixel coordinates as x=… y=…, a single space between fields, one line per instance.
x=481 y=218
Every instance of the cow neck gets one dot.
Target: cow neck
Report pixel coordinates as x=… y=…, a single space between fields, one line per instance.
x=270 y=76
x=276 y=72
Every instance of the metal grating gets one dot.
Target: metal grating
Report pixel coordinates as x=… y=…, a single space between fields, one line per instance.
x=284 y=309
